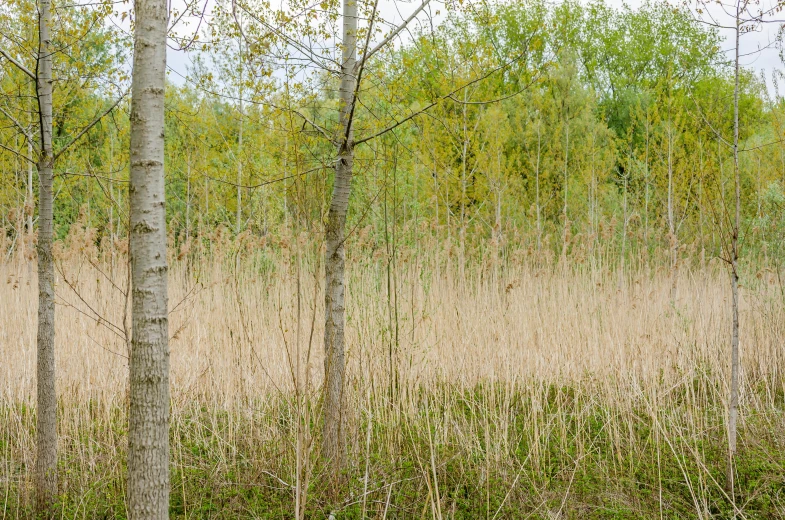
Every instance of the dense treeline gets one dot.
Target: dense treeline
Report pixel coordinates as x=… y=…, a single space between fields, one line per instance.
x=593 y=122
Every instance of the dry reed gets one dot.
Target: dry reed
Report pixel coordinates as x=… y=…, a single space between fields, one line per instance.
x=450 y=363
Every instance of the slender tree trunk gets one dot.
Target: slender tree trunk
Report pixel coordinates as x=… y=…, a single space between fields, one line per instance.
x=464 y=159
x=497 y=225
x=391 y=346
x=624 y=215
x=29 y=202
x=701 y=234
x=148 y=427
x=333 y=435
x=239 y=217
x=436 y=193
x=20 y=218
x=46 y=431
x=29 y=207
x=672 y=238
x=648 y=185
x=537 y=184
x=566 y=236
x=188 y=200
x=594 y=214
x=733 y=411
x=111 y=206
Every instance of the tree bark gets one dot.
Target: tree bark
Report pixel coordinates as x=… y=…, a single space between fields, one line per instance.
x=239 y=216
x=148 y=429
x=46 y=430
x=733 y=405
x=333 y=435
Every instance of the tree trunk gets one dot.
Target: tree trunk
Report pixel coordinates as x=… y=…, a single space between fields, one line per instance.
x=648 y=184
x=148 y=426
x=188 y=200
x=701 y=233
x=733 y=405
x=673 y=239
x=537 y=188
x=566 y=236
x=593 y=195
x=333 y=436
x=112 y=201
x=239 y=216
x=625 y=218
x=464 y=160
x=46 y=460
x=29 y=202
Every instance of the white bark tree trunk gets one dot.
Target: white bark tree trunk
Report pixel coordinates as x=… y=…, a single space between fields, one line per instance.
x=733 y=405
x=333 y=434
x=46 y=430
x=239 y=216
x=148 y=427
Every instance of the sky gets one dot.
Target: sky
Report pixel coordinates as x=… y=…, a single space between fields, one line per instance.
x=755 y=55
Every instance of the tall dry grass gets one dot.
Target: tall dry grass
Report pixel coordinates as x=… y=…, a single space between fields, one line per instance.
x=499 y=386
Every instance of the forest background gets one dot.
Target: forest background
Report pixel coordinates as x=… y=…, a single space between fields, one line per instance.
x=537 y=245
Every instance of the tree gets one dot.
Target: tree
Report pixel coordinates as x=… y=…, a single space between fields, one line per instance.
x=359 y=110
x=148 y=424
x=48 y=45
x=46 y=460
x=739 y=17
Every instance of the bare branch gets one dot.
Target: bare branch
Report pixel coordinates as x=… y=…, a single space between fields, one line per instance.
x=761 y=146
x=16 y=123
x=309 y=53
x=716 y=132
x=498 y=99
x=359 y=69
x=438 y=100
x=317 y=127
x=265 y=183
x=89 y=126
x=18 y=64
x=392 y=35
x=17 y=153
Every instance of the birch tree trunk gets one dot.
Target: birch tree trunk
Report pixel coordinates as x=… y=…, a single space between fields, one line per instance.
x=333 y=435
x=238 y=221
x=733 y=405
x=46 y=428
x=148 y=427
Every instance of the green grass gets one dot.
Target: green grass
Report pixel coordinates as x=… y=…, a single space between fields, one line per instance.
x=464 y=454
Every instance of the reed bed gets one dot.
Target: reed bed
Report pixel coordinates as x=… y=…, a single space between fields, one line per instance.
x=505 y=392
